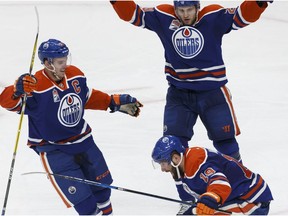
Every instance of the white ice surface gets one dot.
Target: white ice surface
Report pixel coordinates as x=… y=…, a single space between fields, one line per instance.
x=120 y=58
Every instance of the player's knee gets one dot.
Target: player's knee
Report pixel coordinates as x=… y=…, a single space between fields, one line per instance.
x=236 y=156
x=87 y=206
x=229 y=147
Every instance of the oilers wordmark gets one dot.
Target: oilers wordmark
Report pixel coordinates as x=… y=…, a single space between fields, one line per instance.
x=70 y=114
x=187 y=45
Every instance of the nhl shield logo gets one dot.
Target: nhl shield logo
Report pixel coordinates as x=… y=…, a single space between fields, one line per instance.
x=188 y=42
x=56 y=97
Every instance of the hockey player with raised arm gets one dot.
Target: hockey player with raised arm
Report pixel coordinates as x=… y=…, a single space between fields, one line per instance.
x=220 y=184
x=56 y=99
x=194 y=67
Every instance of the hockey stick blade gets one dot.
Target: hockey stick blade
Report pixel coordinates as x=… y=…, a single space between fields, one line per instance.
x=98 y=184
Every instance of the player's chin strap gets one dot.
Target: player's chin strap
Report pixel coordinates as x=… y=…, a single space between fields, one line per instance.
x=177 y=165
x=53 y=71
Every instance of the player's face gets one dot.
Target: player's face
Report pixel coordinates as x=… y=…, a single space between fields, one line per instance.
x=187 y=15
x=60 y=65
x=165 y=166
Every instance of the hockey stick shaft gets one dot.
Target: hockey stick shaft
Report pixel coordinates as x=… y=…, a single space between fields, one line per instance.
x=20 y=123
x=98 y=184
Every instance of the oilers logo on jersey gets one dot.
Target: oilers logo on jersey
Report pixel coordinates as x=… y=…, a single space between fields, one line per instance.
x=188 y=42
x=70 y=110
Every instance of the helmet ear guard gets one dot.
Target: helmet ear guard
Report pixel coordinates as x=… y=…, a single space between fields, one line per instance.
x=48 y=50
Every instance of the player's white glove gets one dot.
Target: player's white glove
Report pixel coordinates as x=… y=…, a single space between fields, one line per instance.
x=126 y=104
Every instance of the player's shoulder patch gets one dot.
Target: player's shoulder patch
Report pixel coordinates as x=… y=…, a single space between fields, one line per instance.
x=166 y=9
x=209 y=9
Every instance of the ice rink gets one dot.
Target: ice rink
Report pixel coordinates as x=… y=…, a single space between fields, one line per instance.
x=120 y=58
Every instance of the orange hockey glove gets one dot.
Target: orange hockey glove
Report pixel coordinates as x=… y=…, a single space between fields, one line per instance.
x=25 y=84
x=207 y=203
x=126 y=104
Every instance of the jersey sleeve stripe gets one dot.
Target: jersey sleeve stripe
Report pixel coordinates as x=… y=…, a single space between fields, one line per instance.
x=253 y=189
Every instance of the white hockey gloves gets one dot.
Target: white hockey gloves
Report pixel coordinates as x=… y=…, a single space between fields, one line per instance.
x=126 y=104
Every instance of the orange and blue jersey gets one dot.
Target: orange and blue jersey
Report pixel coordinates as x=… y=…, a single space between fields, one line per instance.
x=193 y=54
x=240 y=189
x=55 y=110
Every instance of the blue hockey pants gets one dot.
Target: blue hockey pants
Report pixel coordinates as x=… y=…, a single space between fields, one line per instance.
x=215 y=110
x=89 y=165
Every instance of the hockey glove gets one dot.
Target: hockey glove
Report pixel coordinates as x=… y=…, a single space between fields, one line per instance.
x=263 y=2
x=125 y=103
x=187 y=209
x=207 y=203
x=25 y=84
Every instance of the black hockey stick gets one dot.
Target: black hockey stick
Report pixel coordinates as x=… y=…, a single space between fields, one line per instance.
x=94 y=183
x=20 y=122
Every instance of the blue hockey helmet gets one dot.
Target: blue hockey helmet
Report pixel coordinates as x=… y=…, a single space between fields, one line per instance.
x=164 y=148
x=51 y=49
x=179 y=3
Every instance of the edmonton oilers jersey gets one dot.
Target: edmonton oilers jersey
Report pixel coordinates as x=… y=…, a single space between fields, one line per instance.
x=238 y=187
x=55 y=111
x=193 y=53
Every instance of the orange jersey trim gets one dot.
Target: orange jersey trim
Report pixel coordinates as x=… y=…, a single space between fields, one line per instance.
x=243 y=209
x=228 y=100
x=251 y=11
x=256 y=187
x=222 y=190
x=195 y=75
x=195 y=157
x=166 y=8
x=98 y=100
x=208 y=9
x=52 y=179
x=125 y=9
x=44 y=82
x=6 y=99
